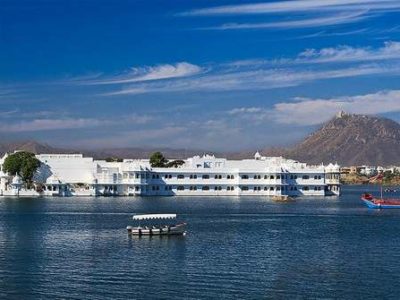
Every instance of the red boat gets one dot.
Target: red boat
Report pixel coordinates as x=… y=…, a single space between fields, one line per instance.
x=373 y=202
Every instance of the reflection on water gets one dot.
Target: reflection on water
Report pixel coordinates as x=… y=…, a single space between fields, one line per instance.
x=77 y=248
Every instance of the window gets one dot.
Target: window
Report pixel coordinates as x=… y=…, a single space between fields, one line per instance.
x=305 y=188
x=245 y=188
x=272 y=177
x=181 y=176
x=278 y=177
x=228 y=177
x=306 y=177
x=205 y=188
x=245 y=177
x=181 y=188
x=315 y=177
x=265 y=188
x=205 y=176
x=271 y=188
x=265 y=176
x=217 y=188
x=218 y=176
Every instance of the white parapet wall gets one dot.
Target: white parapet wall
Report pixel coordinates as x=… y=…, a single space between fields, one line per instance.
x=75 y=175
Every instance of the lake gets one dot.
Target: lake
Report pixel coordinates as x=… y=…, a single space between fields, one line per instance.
x=236 y=247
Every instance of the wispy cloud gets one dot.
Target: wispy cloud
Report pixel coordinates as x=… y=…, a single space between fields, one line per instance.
x=390 y=50
x=307 y=111
x=8 y=113
x=159 y=72
x=49 y=124
x=256 y=74
x=295 y=6
x=297 y=23
x=261 y=79
x=342 y=53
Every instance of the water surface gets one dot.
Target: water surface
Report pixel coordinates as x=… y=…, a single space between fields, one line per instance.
x=247 y=247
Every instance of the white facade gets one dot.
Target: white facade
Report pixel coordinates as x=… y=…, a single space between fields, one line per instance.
x=73 y=174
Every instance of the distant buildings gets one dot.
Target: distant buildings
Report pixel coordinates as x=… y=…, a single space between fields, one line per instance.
x=75 y=175
x=367 y=170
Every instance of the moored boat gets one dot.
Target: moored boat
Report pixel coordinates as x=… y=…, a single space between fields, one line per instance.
x=282 y=198
x=159 y=229
x=378 y=203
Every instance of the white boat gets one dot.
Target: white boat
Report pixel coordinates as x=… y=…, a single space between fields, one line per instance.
x=159 y=229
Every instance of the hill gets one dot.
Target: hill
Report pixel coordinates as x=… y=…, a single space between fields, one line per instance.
x=350 y=139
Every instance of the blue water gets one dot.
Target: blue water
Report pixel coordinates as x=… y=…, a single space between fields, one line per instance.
x=249 y=247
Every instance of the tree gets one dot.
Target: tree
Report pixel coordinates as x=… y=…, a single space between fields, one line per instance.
x=157 y=160
x=113 y=159
x=175 y=163
x=23 y=163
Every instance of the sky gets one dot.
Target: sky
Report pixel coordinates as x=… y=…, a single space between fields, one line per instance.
x=216 y=75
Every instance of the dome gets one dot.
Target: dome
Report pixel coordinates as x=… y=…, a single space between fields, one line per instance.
x=17 y=180
x=257 y=156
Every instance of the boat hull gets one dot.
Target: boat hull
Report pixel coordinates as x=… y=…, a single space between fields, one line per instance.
x=380 y=203
x=179 y=229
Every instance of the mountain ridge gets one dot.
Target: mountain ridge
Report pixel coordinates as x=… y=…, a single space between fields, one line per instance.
x=348 y=139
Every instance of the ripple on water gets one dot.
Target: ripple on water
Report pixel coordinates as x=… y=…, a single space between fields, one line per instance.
x=68 y=248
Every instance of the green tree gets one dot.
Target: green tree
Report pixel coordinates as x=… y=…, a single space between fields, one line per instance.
x=23 y=163
x=157 y=160
x=175 y=163
x=113 y=159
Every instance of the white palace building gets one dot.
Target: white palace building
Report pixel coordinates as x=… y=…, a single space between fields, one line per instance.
x=75 y=175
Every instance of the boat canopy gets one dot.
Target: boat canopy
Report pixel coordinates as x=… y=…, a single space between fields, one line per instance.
x=154 y=217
